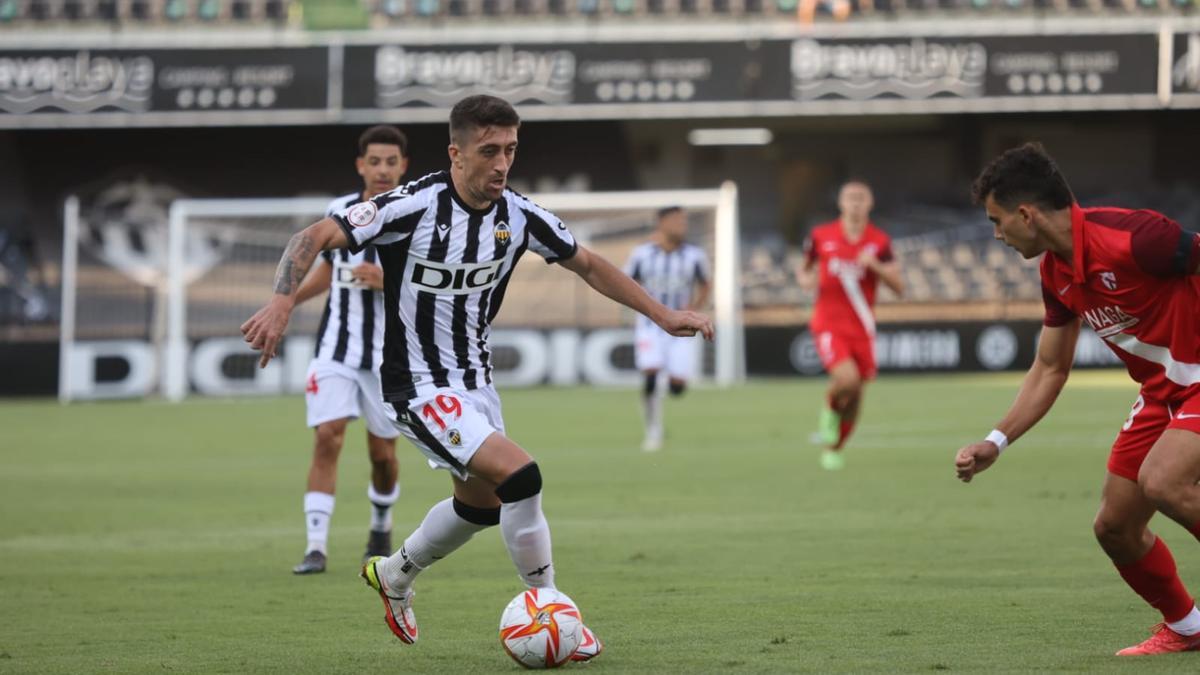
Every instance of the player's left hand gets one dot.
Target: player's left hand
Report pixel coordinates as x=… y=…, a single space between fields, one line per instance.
x=868 y=260
x=265 y=329
x=974 y=458
x=368 y=275
x=682 y=323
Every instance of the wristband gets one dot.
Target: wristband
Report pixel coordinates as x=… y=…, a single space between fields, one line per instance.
x=998 y=438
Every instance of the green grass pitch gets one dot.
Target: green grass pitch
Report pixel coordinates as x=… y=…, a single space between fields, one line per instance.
x=142 y=537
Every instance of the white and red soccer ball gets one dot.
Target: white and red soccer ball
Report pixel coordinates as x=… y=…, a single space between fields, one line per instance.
x=541 y=628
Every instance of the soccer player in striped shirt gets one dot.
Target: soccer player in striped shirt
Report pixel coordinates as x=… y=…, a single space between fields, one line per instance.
x=1132 y=276
x=343 y=377
x=448 y=244
x=844 y=261
x=676 y=274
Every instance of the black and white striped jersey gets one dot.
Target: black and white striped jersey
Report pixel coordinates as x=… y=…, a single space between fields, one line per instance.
x=446 y=267
x=668 y=276
x=351 y=330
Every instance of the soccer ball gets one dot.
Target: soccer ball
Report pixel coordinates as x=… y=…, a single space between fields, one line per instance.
x=541 y=628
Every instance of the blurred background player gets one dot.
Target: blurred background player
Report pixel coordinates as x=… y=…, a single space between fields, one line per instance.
x=844 y=261
x=676 y=274
x=1132 y=276
x=343 y=379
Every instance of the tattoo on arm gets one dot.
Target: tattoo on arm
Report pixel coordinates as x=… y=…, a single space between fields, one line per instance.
x=297 y=258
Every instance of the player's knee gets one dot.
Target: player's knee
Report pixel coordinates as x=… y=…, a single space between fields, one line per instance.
x=1121 y=541
x=650 y=383
x=677 y=387
x=382 y=450
x=485 y=517
x=1107 y=532
x=848 y=385
x=329 y=437
x=521 y=484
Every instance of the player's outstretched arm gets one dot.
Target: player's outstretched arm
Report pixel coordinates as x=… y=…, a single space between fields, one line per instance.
x=265 y=329
x=1039 y=390
x=613 y=283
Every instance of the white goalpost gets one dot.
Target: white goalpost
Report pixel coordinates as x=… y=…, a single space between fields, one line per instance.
x=179 y=322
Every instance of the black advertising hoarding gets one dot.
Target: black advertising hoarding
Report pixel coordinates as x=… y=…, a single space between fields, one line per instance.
x=594 y=80
x=140 y=81
x=646 y=74
x=967 y=346
x=977 y=67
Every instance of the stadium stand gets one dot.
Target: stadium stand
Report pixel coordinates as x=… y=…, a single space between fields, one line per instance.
x=345 y=14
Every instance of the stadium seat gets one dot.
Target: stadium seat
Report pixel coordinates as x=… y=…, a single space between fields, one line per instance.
x=74 y=10
x=240 y=10
x=208 y=10
x=8 y=10
x=139 y=10
x=40 y=10
x=275 y=10
x=175 y=10
x=428 y=7
x=962 y=256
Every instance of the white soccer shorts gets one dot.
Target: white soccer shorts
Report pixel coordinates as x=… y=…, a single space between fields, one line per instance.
x=334 y=391
x=449 y=425
x=655 y=349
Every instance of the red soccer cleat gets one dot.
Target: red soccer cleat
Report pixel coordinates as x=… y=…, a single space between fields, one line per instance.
x=1163 y=641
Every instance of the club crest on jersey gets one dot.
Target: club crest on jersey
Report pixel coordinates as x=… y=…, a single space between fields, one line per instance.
x=501 y=232
x=362 y=215
x=453 y=437
x=1109 y=280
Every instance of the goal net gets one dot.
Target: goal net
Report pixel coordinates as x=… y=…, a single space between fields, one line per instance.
x=220 y=258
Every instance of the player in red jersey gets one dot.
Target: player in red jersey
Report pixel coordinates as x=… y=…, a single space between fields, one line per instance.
x=1132 y=276
x=844 y=261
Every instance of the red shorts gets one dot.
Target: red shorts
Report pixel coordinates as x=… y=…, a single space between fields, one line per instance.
x=1147 y=421
x=834 y=348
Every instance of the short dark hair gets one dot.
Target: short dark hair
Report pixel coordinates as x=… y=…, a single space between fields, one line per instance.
x=384 y=134
x=1025 y=174
x=668 y=210
x=480 y=111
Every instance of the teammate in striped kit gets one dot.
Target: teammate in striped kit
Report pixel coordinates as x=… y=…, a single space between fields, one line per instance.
x=1134 y=277
x=448 y=244
x=676 y=274
x=844 y=262
x=343 y=378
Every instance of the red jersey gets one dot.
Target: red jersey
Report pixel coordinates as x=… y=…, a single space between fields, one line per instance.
x=1131 y=280
x=845 y=291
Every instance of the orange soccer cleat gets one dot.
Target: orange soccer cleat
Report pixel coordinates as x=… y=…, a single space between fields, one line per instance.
x=1163 y=641
x=400 y=618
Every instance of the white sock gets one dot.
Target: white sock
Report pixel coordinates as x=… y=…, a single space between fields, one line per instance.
x=1188 y=625
x=381 y=507
x=318 y=509
x=527 y=536
x=652 y=412
x=439 y=535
